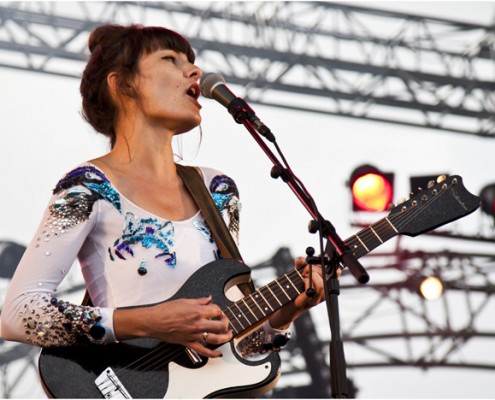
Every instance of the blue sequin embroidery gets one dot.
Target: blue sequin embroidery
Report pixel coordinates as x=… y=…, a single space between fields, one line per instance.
x=205 y=231
x=148 y=232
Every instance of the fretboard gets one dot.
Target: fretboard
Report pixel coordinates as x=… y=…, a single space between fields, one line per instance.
x=259 y=305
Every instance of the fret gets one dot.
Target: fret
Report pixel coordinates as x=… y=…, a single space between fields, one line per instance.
x=241 y=317
x=289 y=288
x=376 y=234
x=393 y=227
x=283 y=290
x=292 y=283
x=370 y=239
x=273 y=294
x=255 y=298
x=234 y=322
x=360 y=241
x=256 y=317
x=385 y=229
x=267 y=303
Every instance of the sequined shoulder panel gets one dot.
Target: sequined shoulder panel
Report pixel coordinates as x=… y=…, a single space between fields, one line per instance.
x=95 y=181
x=226 y=198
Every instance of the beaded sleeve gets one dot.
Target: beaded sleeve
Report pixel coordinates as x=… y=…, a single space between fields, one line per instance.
x=31 y=312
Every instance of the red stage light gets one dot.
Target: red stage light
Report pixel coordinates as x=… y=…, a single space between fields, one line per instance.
x=371 y=189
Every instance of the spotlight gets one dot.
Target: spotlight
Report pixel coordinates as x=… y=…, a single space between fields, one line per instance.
x=487 y=195
x=431 y=288
x=372 y=190
x=428 y=287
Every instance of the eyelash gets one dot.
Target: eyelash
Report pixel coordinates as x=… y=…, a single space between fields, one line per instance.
x=170 y=58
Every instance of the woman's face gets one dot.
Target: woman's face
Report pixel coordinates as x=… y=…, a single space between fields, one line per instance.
x=168 y=90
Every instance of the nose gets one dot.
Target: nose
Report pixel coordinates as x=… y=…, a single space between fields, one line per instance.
x=194 y=71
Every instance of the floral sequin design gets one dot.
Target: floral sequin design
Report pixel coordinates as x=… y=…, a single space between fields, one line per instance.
x=149 y=233
x=49 y=322
x=78 y=191
x=226 y=197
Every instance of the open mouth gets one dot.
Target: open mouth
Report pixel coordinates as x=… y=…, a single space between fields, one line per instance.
x=193 y=91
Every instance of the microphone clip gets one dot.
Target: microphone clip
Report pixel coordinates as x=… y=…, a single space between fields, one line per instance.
x=241 y=112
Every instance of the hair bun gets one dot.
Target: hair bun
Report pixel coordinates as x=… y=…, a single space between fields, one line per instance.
x=101 y=35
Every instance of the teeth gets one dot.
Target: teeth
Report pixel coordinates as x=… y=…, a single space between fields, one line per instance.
x=192 y=91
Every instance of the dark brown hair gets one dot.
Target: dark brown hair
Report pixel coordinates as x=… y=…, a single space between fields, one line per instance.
x=116 y=48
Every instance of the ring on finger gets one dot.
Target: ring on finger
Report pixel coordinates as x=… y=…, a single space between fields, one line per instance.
x=205 y=336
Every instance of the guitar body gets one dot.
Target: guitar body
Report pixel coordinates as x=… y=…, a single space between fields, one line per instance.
x=148 y=368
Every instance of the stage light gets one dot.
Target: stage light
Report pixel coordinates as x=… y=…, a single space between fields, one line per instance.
x=427 y=287
x=431 y=288
x=372 y=190
x=487 y=195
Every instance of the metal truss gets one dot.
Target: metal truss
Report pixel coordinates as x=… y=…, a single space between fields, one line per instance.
x=333 y=58
x=387 y=324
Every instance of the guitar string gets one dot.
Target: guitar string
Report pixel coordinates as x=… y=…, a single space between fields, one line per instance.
x=156 y=356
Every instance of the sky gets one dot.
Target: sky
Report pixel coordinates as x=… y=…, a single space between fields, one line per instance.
x=43 y=135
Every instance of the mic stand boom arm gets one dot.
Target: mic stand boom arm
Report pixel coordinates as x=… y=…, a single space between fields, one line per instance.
x=338 y=252
x=243 y=114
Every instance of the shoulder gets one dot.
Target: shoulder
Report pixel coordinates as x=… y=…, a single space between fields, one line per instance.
x=87 y=181
x=219 y=182
x=80 y=175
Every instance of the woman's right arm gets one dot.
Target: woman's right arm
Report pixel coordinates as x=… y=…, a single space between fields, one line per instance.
x=31 y=312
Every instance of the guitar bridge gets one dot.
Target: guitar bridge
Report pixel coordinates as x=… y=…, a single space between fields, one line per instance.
x=110 y=385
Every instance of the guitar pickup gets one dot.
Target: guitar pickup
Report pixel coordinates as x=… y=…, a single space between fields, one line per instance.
x=193 y=356
x=110 y=385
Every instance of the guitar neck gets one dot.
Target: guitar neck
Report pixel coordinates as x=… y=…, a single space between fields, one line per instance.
x=259 y=305
x=373 y=236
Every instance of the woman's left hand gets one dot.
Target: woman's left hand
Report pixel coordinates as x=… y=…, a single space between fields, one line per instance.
x=282 y=318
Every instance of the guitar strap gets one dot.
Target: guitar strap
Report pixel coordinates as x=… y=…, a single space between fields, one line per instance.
x=226 y=245
x=201 y=195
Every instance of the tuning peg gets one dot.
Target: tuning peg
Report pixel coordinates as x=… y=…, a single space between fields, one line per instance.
x=431 y=184
x=441 y=178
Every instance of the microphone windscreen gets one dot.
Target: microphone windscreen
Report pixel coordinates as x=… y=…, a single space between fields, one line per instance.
x=208 y=82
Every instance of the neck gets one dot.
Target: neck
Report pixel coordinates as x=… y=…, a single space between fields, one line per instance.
x=144 y=148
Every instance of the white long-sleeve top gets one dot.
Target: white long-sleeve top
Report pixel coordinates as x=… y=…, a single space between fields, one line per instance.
x=128 y=257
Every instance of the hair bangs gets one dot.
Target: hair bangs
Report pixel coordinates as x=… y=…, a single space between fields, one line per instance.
x=158 y=38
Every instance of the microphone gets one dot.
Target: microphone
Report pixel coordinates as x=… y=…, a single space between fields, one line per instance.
x=213 y=86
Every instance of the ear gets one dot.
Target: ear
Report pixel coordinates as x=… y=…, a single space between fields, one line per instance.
x=112 y=82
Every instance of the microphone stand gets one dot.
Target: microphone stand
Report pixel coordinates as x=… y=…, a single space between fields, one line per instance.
x=337 y=252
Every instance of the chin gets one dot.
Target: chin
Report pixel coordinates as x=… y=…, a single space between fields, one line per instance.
x=187 y=128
